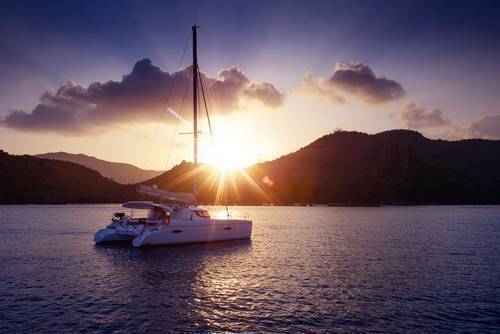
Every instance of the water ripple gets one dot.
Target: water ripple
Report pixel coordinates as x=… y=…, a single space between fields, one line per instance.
x=312 y=270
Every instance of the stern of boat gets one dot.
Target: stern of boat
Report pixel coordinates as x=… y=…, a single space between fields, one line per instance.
x=108 y=235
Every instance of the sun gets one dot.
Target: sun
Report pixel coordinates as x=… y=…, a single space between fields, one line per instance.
x=230 y=150
x=229 y=154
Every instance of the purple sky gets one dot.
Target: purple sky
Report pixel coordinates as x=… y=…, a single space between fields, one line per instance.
x=294 y=70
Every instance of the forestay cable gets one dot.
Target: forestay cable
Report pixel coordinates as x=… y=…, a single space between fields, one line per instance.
x=162 y=111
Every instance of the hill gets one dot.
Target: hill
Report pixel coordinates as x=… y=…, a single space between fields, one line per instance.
x=342 y=168
x=391 y=167
x=28 y=179
x=120 y=172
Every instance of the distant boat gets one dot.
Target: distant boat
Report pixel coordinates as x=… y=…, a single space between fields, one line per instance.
x=177 y=219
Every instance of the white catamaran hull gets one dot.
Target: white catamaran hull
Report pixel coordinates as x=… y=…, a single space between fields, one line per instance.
x=190 y=232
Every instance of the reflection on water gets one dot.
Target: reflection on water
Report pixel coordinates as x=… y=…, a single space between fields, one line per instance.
x=418 y=269
x=171 y=276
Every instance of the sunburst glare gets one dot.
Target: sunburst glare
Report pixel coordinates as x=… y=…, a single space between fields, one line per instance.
x=229 y=150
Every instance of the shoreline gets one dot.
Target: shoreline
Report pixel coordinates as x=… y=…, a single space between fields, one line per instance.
x=275 y=205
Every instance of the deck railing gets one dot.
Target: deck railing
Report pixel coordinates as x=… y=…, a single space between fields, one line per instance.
x=228 y=214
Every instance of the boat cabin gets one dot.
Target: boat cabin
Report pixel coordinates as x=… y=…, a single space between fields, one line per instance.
x=162 y=212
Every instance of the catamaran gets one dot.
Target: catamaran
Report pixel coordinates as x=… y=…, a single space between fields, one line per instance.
x=177 y=219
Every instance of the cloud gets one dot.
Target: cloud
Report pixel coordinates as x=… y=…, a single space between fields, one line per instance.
x=355 y=79
x=317 y=86
x=359 y=80
x=139 y=97
x=416 y=117
x=266 y=93
x=485 y=128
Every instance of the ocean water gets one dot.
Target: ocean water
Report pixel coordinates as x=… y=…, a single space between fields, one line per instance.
x=306 y=269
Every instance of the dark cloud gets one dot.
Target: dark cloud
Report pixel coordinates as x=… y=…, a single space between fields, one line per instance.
x=139 y=97
x=359 y=80
x=416 y=117
x=355 y=79
x=230 y=84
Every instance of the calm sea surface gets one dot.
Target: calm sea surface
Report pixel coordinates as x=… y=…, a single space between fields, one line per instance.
x=306 y=269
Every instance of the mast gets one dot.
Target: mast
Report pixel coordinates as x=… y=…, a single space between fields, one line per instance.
x=195 y=111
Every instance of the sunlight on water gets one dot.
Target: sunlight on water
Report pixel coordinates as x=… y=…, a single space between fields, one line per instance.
x=388 y=269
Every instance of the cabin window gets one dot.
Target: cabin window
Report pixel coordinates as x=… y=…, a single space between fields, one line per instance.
x=165 y=218
x=202 y=214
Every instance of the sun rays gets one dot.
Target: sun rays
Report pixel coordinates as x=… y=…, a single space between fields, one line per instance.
x=220 y=185
x=231 y=148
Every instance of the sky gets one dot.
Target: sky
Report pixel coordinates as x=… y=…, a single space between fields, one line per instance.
x=99 y=77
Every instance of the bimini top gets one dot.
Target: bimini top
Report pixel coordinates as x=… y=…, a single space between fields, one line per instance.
x=146 y=205
x=183 y=198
